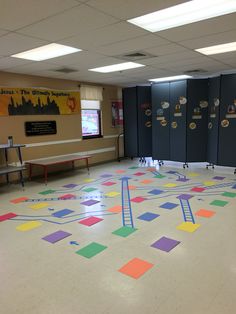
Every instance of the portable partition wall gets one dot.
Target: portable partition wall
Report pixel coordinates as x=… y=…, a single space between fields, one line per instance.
x=137 y=121
x=179 y=120
x=222 y=121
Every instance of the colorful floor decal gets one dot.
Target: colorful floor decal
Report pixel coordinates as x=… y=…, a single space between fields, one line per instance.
x=136 y=268
x=91 y=250
x=124 y=199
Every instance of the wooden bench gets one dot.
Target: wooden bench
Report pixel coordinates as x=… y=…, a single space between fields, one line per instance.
x=46 y=162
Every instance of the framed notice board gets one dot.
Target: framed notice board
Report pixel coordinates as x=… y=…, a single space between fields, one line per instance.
x=33 y=128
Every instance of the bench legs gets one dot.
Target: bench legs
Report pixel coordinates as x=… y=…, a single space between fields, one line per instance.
x=45 y=169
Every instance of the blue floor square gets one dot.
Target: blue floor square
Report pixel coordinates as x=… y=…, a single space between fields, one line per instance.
x=156 y=192
x=148 y=216
x=168 y=205
x=62 y=213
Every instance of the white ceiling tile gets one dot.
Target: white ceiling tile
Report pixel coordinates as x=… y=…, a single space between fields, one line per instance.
x=206 y=41
x=106 y=35
x=69 y=23
x=13 y=43
x=3 y=32
x=8 y=62
x=199 y=29
x=166 y=49
x=33 y=67
x=126 y=9
x=132 y=45
x=15 y=15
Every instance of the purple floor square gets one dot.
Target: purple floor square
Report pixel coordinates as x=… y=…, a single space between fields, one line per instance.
x=182 y=180
x=70 y=186
x=106 y=175
x=168 y=205
x=171 y=172
x=165 y=244
x=90 y=202
x=156 y=192
x=148 y=216
x=218 y=178
x=56 y=236
x=184 y=197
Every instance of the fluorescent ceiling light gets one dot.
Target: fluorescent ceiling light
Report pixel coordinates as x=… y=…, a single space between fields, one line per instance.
x=170 y=78
x=185 y=13
x=118 y=67
x=46 y=52
x=213 y=50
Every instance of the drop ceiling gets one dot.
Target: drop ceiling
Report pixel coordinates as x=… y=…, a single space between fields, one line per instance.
x=99 y=28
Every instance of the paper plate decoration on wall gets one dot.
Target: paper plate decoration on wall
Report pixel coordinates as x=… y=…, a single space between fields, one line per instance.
x=148 y=112
x=177 y=112
x=182 y=100
x=225 y=123
x=197 y=113
x=163 y=123
x=213 y=111
x=160 y=113
x=148 y=124
x=210 y=125
x=165 y=104
x=216 y=102
x=174 y=125
x=192 y=126
x=203 y=104
x=231 y=111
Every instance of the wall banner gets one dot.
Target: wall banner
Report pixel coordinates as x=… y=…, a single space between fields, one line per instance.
x=33 y=101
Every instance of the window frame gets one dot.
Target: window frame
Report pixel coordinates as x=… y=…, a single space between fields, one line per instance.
x=86 y=137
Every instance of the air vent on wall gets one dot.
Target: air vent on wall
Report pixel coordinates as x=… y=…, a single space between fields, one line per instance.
x=65 y=70
x=136 y=55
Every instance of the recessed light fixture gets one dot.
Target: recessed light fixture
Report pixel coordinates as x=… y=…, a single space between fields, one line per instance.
x=213 y=50
x=185 y=13
x=46 y=52
x=170 y=78
x=118 y=67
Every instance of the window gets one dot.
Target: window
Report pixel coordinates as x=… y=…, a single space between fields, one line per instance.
x=91 y=118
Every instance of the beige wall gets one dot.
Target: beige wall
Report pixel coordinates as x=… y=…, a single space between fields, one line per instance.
x=68 y=126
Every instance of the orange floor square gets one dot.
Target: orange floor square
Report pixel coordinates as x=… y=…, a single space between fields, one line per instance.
x=120 y=171
x=205 y=213
x=19 y=200
x=135 y=268
x=146 y=181
x=132 y=187
x=115 y=209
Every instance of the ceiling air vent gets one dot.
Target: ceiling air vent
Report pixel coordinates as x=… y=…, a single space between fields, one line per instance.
x=195 y=71
x=65 y=70
x=137 y=55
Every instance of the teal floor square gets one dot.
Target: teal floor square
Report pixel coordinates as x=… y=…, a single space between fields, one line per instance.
x=89 y=190
x=124 y=231
x=91 y=250
x=229 y=194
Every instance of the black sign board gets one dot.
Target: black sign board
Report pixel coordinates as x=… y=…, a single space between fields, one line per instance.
x=33 y=128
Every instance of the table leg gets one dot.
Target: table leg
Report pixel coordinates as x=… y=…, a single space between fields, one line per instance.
x=73 y=164
x=45 y=175
x=30 y=172
x=87 y=164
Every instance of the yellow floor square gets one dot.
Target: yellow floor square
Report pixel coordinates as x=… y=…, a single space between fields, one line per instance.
x=170 y=185
x=112 y=194
x=29 y=226
x=193 y=174
x=89 y=180
x=188 y=227
x=39 y=205
x=209 y=183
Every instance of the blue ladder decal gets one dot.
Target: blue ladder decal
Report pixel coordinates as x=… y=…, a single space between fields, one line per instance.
x=187 y=212
x=127 y=218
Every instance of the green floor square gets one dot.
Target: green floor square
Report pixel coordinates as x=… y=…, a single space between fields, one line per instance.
x=229 y=194
x=159 y=176
x=91 y=250
x=47 y=192
x=219 y=203
x=134 y=167
x=124 y=231
x=89 y=189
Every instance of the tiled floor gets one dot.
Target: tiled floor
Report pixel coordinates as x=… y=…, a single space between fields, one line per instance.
x=50 y=263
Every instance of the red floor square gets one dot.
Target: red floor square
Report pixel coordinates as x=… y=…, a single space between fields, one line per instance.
x=135 y=268
x=7 y=216
x=109 y=183
x=90 y=221
x=205 y=213
x=138 y=199
x=197 y=189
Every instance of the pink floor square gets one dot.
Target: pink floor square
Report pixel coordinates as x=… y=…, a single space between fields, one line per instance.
x=90 y=221
x=109 y=183
x=197 y=189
